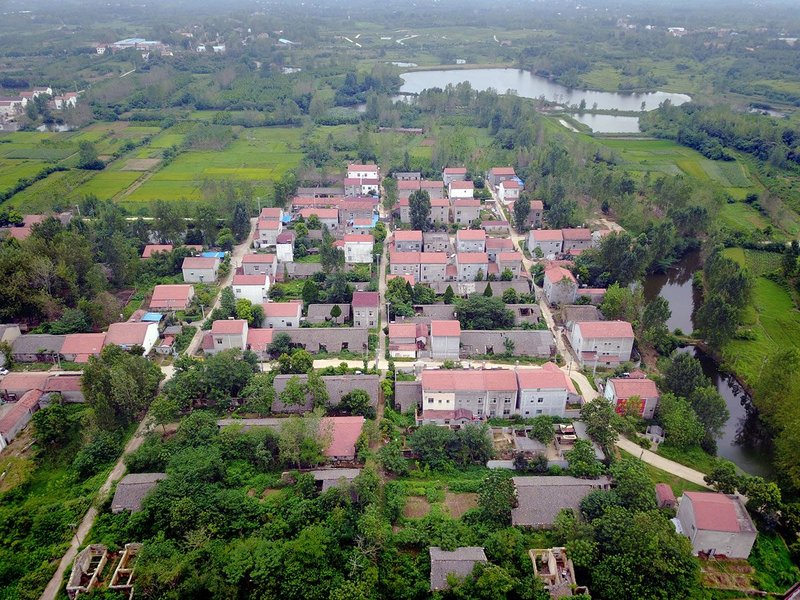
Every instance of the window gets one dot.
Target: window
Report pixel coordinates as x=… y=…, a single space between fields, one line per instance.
x=219 y=340
x=506 y=411
x=538 y=412
x=540 y=400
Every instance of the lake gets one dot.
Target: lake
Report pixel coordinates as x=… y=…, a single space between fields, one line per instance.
x=528 y=85
x=675 y=286
x=608 y=123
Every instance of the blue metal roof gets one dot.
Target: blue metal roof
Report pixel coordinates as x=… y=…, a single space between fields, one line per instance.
x=152 y=317
x=219 y=255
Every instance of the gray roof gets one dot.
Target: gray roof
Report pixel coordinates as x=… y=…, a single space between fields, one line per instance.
x=459 y=562
x=526 y=444
x=247 y=424
x=333 y=477
x=525 y=313
x=337 y=385
x=577 y=313
x=466 y=288
x=527 y=342
x=132 y=490
x=299 y=270
x=173 y=330
x=425 y=313
x=314 y=191
x=33 y=343
x=541 y=498
x=407 y=394
x=319 y=313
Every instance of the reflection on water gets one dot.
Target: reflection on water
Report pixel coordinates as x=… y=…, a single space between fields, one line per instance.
x=608 y=123
x=675 y=286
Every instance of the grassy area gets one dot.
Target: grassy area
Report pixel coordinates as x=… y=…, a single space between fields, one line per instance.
x=742 y=217
x=770 y=557
x=694 y=457
x=677 y=484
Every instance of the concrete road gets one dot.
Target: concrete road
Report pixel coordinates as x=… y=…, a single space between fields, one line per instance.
x=651 y=458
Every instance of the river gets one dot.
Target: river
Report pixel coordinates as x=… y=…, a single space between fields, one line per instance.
x=528 y=85
x=675 y=286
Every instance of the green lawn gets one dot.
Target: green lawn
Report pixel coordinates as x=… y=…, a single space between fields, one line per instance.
x=693 y=457
x=741 y=217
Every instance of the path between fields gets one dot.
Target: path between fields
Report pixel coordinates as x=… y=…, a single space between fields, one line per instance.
x=651 y=458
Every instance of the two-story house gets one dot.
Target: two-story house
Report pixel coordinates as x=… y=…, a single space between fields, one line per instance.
x=451 y=174
x=251 y=287
x=544 y=391
x=466 y=210
x=548 y=241
x=365 y=309
x=560 y=286
x=256 y=264
x=445 y=339
x=471 y=240
x=470 y=264
x=358 y=249
x=200 y=269
x=282 y=315
x=619 y=390
x=485 y=393
x=225 y=335
x=602 y=343
x=408 y=241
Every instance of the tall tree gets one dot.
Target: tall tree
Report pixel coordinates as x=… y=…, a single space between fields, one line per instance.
x=522 y=208
x=240 y=221
x=419 y=206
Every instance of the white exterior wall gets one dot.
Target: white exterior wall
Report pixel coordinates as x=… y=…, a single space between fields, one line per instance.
x=255 y=293
x=535 y=402
x=357 y=253
x=444 y=347
x=432 y=400
x=405 y=269
x=199 y=275
x=617 y=349
x=560 y=293
x=547 y=247
x=732 y=545
x=150 y=338
x=464 y=215
x=459 y=193
x=285 y=252
x=226 y=341
x=363 y=174
x=470 y=245
x=431 y=272
x=282 y=322
x=507 y=195
x=257 y=269
x=468 y=272
x=365 y=317
x=268 y=237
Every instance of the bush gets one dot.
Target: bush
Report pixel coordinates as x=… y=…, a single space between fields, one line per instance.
x=103 y=448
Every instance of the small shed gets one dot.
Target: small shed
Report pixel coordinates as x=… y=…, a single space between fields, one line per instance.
x=665 y=497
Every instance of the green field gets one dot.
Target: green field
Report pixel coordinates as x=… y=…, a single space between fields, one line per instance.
x=773 y=320
x=741 y=217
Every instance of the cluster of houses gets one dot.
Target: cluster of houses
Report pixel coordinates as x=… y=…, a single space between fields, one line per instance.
x=553 y=243
x=13 y=106
x=141 y=45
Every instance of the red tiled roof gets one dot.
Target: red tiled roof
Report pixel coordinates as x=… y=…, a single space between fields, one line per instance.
x=469 y=380
x=494 y=223
x=228 y=326
x=258 y=279
x=356 y=167
x=268 y=225
x=548 y=377
x=352 y=205
x=447 y=328
x=431 y=184
x=439 y=202
x=63 y=383
x=25 y=404
x=270 y=213
x=22 y=382
x=462 y=185
x=472 y=258
x=151 y=249
x=83 y=345
x=199 y=262
x=282 y=309
x=408 y=236
x=259 y=339
x=455 y=171
x=433 y=258
x=470 y=234
x=556 y=274
x=352 y=181
x=124 y=334
x=502 y=171
x=499 y=243
x=537 y=205
x=31 y=220
x=362 y=222
x=547 y=235
x=605 y=329
x=577 y=234
x=18 y=233
x=625 y=388
x=358 y=238
x=510 y=184
x=365 y=299
x=258 y=259
x=451 y=271
x=285 y=237
x=467 y=202
x=664 y=492
x=344 y=434
x=408 y=185
x=714 y=511
x=304 y=201
x=370 y=181
x=402 y=330
x=322 y=213
x=170 y=295
x=509 y=256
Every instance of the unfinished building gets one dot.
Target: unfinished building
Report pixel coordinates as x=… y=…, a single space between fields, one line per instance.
x=86 y=570
x=555 y=569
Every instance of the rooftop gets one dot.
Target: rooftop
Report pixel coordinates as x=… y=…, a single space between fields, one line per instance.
x=459 y=562
x=719 y=512
x=132 y=489
x=257 y=279
x=556 y=274
x=467 y=203
x=547 y=235
x=469 y=380
x=462 y=185
x=151 y=249
x=83 y=344
x=502 y=171
x=321 y=213
x=548 y=377
x=282 y=309
x=472 y=258
x=200 y=262
x=606 y=329
x=626 y=387
x=541 y=498
x=582 y=234
x=448 y=328
x=471 y=234
x=366 y=299
x=344 y=433
x=358 y=238
x=408 y=236
x=123 y=334
x=253 y=259
x=228 y=327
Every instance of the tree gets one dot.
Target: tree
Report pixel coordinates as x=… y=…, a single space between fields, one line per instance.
x=281 y=344
x=487 y=291
x=331 y=258
x=163 y=410
x=259 y=394
x=419 y=205
x=52 y=424
x=582 y=460
x=423 y=294
x=302 y=361
x=225 y=239
x=316 y=389
x=428 y=442
x=710 y=408
x=718 y=320
x=724 y=477
x=508 y=347
x=510 y=296
x=391 y=459
x=167 y=221
x=449 y=294
x=302 y=440
x=497 y=497
x=522 y=208
x=684 y=374
x=542 y=429
x=294 y=394
x=598 y=415
x=633 y=487
x=506 y=275
x=336 y=312
x=310 y=292
x=389 y=193
x=87 y=157
x=357 y=402
x=622 y=303
x=480 y=312
x=682 y=428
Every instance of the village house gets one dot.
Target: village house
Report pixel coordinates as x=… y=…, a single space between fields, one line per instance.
x=320 y=192
x=271 y=213
x=716 y=523
x=407 y=339
x=37 y=347
x=602 y=343
x=68 y=386
x=470 y=240
x=408 y=176
x=521 y=342
x=337 y=386
x=451 y=174
x=365 y=309
x=151 y=249
x=496 y=245
x=540 y=497
x=407 y=241
x=132 y=490
x=405 y=263
x=560 y=286
x=434 y=188
x=470 y=264
x=619 y=390
x=576 y=239
x=267 y=231
x=665 y=497
x=321 y=313
x=497 y=175
x=14 y=417
x=254 y=288
x=329 y=217
x=534 y=219
x=485 y=393
x=344 y=433
x=548 y=241
x=436 y=241
x=494 y=227
x=357 y=171
x=353 y=210
x=8 y=333
x=440 y=211
x=280 y=315
x=358 y=249
x=284 y=246
x=200 y=269
x=226 y=334
x=511 y=261
x=466 y=210
x=78 y=347
x=459 y=563
x=460 y=189
x=407 y=187
x=509 y=190
x=256 y=264
x=544 y=391
x=445 y=339
x=128 y=335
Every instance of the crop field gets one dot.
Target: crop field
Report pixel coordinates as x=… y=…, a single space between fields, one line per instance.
x=741 y=217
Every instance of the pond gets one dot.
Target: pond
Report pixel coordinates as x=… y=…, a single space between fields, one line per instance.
x=675 y=286
x=608 y=123
x=528 y=85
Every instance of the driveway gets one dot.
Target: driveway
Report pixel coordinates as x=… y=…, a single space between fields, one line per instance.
x=651 y=458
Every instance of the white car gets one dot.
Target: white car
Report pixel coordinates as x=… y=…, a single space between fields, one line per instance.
x=3 y=372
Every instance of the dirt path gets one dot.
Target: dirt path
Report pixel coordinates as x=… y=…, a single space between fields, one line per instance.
x=662 y=463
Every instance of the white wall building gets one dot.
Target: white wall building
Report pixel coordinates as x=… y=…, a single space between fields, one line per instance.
x=602 y=343
x=251 y=287
x=543 y=391
x=358 y=249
